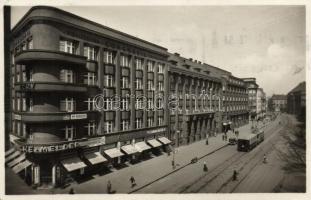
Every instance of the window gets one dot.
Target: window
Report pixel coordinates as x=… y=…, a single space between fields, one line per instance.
x=66 y=75
x=24 y=107
x=24 y=133
x=90 y=78
x=30 y=43
x=18 y=128
x=125 y=82
x=124 y=125
x=24 y=46
x=138 y=64
x=91 y=128
x=30 y=104
x=160 y=121
x=124 y=104
x=150 y=121
x=124 y=61
x=13 y=104
x=18 y=77
x=67 y=46
x=108 y=104
x=160 y=68
x=139 y=104
x=90 y=52
x=24 y=77
x=108 y=57
x=91 y=104
x=150 y=66
x=108 y=81
x=70 y=132
x=139 y=84
x=150 y=85
x=18 y=104
x=160 y=103
x=108 y=127
x=30 y=75
x=150 y=103
x=138 y=123
x=67 y=105
x=160 y=86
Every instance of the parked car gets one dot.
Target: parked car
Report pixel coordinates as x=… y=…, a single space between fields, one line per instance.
x=232 y=141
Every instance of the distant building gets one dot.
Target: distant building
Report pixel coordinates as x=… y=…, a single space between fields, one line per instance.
x=252 y=87
x=279 y=103
x=296 y=101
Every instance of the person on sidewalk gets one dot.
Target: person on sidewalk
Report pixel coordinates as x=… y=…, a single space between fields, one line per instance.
x=132 y=179
x=235 y=175
x=223 y=137
x=71 y=191
x=206 y=142
x=205 y=167
x=264 y=159
x=109 y=187
x=173 y=164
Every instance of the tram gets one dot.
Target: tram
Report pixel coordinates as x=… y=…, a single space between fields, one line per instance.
x=247 y=142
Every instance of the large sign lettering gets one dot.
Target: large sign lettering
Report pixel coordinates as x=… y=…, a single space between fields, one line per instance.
x=48 y=148
x=78 y=116
x=156 y=130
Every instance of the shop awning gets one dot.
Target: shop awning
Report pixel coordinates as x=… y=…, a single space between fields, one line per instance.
x=12 y=156
x=142 y=146
x=129 y=149
x=21 y=166
x=73 y=163
x=95 y=158
x=154 y=143
x=114 y=153
x=164 y=140
x=17 y=160
x=10 y=151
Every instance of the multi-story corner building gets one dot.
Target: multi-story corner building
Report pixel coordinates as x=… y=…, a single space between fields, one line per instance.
x=296 y=101
x=64 y=69
x=279 y=102
x=235 y=101
x=252 y=87
x=196 y=100
x=261 y=103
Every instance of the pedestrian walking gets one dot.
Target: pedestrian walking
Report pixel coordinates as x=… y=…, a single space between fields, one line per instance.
x=173 y=164
x=235 y=175
x=132 y=179
x=71 y=191
x=223 y=137
x=206 y=142
x=264 y=158
x=109 y=187
x=205 y=167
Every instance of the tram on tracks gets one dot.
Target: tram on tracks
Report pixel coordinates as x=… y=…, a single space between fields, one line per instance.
x=250 y=141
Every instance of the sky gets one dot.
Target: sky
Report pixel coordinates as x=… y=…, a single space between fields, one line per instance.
x=265 y=42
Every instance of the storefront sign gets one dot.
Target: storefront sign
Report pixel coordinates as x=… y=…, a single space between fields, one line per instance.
x=48 y=148
x=78 y=116
x=17 y=117
x=159 y=130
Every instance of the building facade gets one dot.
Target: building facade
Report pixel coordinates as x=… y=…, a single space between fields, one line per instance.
x=252 y=88
x=64 y=72
x=296 y=101
x=84 y=96
x=261 y=105
x=279 y=102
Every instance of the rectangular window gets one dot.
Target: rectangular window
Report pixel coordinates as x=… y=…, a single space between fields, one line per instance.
x=13 y=104
x=90 y=52
x=108 y=80
x=30 y=75
x=24 y=104
x=91 y=128
x=108 y=104
x=150 y=103
x=108 y=126
x=160 y=121
x=124 y=125
x=90 y=104
x=67 y=46
x=66 y=75
x=108 y=57
x=70 y=132
x=30 y=105
x=124 y=61
x=30 y=43
x=150 y=66
x=160 y=68
x=150 y=85
x=18 y=128
x=150 y=121
x=138 y=64
x=24 y=76
x=18 y=79
x=24 y=46
x=139 y=84
x=90 y=78
x=24 y=133
x=160 y=86
x=67 y=105
x=124 y=104
x=125 y=82
x=138 y=123
x=139 y=104
x=18 y=104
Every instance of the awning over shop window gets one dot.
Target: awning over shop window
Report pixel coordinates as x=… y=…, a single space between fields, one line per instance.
x=154 y=143
x=10 y=151
x=113 y=153
x=21 y=166
x=164 y=140
x=129 y=149
x=12 y=156
x=142 y=146
x=95 y=158
x=73 y=163
x=17 y=160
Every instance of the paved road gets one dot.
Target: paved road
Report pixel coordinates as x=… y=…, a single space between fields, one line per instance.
x=192 y=179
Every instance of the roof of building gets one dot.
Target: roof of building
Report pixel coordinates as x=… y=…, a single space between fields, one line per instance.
x=52 y=13
x=301 y=87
